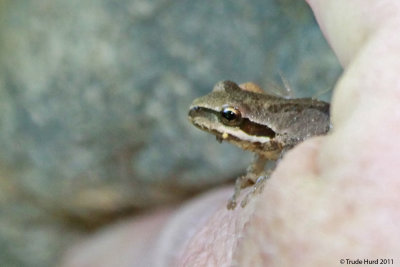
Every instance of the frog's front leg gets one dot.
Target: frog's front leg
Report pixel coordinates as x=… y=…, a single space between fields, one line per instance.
x=254 y=171
x=257 y=187
x=260 y=182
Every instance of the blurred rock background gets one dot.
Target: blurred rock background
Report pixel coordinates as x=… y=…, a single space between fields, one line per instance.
x=94 y=98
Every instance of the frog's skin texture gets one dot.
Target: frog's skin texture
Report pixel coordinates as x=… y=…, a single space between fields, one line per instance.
x=263 y=123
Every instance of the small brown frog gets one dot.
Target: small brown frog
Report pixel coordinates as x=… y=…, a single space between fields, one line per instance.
x=265 y=124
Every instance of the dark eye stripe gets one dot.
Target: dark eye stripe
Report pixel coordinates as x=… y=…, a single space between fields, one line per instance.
x=247 y=126
x=255 y=129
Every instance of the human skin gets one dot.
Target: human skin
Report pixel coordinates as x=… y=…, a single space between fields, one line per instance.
x=330 y=198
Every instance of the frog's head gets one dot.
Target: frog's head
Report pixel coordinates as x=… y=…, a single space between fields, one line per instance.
x=226 y=112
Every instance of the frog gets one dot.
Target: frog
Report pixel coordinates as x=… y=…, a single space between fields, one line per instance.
x=264 y=123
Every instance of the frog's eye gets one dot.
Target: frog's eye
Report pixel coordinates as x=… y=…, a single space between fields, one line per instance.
x=231 y=116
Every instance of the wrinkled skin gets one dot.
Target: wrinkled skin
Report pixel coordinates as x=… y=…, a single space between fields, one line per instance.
x=333 y=197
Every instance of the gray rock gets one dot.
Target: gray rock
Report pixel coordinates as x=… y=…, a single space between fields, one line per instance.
x=94 y=98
